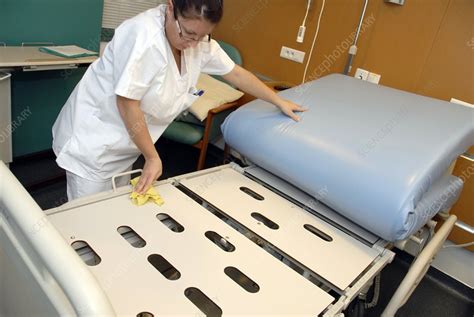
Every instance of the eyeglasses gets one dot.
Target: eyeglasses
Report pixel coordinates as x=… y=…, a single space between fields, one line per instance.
x=187 y=37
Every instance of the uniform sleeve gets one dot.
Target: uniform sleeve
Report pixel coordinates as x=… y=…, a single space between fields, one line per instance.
x=136 y=58
x=215 y=61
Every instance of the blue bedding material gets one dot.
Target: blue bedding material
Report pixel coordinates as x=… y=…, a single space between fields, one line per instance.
x=379 y=154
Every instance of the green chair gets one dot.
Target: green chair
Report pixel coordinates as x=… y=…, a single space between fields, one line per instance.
x=189 y=130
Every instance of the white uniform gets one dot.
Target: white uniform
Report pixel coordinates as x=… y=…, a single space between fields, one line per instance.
x=90 y=137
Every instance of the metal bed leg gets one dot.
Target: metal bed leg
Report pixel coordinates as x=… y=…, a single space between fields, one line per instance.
x=419 y=268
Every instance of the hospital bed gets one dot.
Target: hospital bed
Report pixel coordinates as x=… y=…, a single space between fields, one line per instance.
x=304 y=229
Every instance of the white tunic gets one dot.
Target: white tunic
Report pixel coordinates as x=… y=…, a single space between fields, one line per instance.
x=89 y=136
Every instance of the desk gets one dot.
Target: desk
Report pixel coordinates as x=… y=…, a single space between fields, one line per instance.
x=30 y=58
x=24 y=59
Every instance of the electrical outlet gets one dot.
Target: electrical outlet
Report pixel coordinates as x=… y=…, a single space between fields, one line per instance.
x=366 y=75
x=292 y=54
x=361 y=74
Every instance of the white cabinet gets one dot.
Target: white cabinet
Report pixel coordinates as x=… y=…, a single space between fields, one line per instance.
x=5 y=119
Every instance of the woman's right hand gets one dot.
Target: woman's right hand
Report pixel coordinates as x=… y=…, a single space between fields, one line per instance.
x=151 y=171
x=137 y=128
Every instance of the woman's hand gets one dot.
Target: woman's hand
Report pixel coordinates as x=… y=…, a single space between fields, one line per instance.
x=289 y=108
x=137 y=128
x=151 y=171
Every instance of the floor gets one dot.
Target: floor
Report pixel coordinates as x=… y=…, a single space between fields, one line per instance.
x=457 y=269
x=437 y=295
x=46 y=182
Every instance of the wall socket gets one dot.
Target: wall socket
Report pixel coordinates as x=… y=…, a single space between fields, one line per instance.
x=362 y=74
x=292 y=54
x=366 y=75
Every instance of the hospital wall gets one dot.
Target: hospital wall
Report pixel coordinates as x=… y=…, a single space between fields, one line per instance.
x=424 y=46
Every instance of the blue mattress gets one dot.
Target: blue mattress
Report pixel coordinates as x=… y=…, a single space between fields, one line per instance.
x=380 y=155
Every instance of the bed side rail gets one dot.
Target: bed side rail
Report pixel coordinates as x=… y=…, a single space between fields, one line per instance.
x=50 y=260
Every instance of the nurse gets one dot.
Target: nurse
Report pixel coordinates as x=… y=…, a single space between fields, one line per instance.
x=145 y=78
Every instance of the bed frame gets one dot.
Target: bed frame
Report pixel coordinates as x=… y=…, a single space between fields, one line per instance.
x=228 y=240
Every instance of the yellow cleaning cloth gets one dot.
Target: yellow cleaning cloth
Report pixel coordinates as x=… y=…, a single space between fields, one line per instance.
x=151 y=194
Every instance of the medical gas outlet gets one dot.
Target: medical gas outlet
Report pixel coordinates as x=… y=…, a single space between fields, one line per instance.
x=292 y=54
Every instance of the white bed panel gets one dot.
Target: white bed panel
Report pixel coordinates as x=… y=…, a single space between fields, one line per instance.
x=310 y=202
x=134 y=285
x=339 y=261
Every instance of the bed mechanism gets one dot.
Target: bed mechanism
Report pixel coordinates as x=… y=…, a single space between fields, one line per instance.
x=260 y=240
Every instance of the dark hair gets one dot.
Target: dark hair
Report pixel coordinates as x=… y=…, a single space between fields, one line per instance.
x=210 y=10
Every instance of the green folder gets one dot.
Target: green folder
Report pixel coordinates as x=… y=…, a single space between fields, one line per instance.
x=67 y=51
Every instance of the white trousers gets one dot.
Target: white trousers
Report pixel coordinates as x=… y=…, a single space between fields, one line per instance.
x=79 y=187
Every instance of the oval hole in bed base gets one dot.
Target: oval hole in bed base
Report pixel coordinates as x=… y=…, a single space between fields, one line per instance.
x=243 y=280
x=251 y=193
x=204 y=303
x=172 y=224
x=164 y=267
x=87 y=254
x=221 y=242
x=131 y=236
x=318 y=232
x=267 y=222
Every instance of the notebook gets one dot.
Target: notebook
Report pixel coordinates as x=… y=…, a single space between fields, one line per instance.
x=68 y=51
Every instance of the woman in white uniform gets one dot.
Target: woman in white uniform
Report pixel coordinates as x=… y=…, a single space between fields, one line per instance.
x=145 y=78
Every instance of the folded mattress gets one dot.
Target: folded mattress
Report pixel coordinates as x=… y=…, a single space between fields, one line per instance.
x=379 y=155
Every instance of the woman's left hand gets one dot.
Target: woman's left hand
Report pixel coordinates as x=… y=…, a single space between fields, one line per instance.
x=289 y=108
